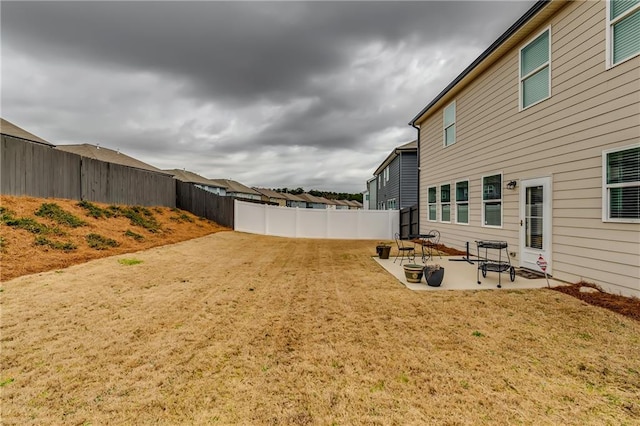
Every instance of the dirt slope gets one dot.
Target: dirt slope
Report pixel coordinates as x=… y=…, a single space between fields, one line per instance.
x=21 y=254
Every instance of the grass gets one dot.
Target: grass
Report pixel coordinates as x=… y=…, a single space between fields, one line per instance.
x=138 y=216
x=129 y=262
x=99 y=242
x=183 y=217
x=62 y=217
x=339 y=341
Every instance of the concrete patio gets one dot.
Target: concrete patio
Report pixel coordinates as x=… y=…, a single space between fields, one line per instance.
x=461 y=275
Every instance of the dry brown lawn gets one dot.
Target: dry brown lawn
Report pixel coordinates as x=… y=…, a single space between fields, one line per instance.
x=232 y=328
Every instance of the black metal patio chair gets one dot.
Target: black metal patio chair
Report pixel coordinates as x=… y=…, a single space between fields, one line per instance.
x=404 y=251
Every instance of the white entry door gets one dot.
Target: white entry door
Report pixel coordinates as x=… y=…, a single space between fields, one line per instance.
x=535 y=223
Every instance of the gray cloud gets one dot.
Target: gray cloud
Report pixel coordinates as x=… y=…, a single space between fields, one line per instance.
x=310 y=94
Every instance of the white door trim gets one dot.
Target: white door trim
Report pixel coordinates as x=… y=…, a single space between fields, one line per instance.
x=529 y=256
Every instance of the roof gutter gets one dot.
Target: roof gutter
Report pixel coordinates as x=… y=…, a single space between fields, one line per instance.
x=539 y=5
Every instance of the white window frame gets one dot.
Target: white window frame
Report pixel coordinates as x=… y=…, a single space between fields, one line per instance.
x=456 y=203
x=430 y=204
x=521 y=79
x=606 y=187
x=445 y=127
x=391 y=204
x=379 y=181
x=500 y=200
x=609 y=34
x=442 y=204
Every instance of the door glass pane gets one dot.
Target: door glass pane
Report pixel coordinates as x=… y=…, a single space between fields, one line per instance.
x=534 y=217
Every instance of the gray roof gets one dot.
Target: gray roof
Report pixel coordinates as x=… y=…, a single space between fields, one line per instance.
x=234 y=186
x=109 y=156
x=191 y=177
x=10 y=129
x=407 y=147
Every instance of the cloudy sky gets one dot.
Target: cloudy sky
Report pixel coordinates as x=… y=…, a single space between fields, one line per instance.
x=272 y=94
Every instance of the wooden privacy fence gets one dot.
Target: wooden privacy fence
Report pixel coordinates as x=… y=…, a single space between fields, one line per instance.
x=205 y=204
x=28 y=168
x=409 y=221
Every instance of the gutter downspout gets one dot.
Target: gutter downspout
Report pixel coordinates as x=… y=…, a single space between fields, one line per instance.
x=418 y=154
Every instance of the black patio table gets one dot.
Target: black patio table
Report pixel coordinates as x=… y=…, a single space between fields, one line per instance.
x=425 y=238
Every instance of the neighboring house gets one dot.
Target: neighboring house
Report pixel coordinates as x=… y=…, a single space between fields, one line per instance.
x=10 y=129
x=342 y=205
x=354 y=205
x=271 y=196
x=238 y=190
x=371 y=203
x=537 y=143
x=313 y=202
x=107 y=155
x=396 y=178
x=294 y=201
x=199 y=181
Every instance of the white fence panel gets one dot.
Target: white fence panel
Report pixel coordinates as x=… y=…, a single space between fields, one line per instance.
x=315 y=223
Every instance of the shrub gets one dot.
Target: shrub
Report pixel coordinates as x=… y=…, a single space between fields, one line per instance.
x=99 y=242
x=56 y=245
x=131 y=234
x=54 y=212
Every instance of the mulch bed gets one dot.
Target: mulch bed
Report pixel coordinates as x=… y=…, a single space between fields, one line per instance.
x=627 y=306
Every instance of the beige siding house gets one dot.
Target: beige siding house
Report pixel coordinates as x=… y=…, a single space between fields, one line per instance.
x=537 y=143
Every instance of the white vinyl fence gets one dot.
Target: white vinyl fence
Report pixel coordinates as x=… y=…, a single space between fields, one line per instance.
x=316 y=223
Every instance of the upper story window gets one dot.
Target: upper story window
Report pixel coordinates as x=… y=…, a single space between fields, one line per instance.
x=386 y=175
x=492 y=200
x=445 y=203
x=450 y=124
x=391 y=204
x=535 y=70
x=623 y=30
x=621 y=186
x=431 y=199
x=462 y=202
x=379 y=181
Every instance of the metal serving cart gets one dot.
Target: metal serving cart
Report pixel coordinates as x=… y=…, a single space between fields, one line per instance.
x=491 y=258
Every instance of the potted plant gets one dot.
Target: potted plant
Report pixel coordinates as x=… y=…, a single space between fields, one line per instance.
x=413 y=272
x=434 y=275
x=383 y=249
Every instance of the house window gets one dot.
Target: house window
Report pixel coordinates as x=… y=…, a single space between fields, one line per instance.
x=445 y=203
x=492 y=200
x=391 y=204
x=450 y=124
x=623 y=31
x=379 y=181
x=462 y=202
x=621 y=195
x=535 y=70
x=431 y=194
x=386 y=174
x=380 y=205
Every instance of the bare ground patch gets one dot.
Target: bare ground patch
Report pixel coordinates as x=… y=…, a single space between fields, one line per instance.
x=234 y=328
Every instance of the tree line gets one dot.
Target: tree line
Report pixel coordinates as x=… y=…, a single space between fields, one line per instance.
x=326 y=194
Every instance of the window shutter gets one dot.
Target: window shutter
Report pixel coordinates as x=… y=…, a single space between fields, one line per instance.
x=626 y=37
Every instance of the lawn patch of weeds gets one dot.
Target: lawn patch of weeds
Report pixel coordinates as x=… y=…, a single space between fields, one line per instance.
x=56 y=213
x=129 y=262
x=5 y=382
x=131 y=234
x=139 y=216
x=98 y=242
x=56 y=245
x=477 y=334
